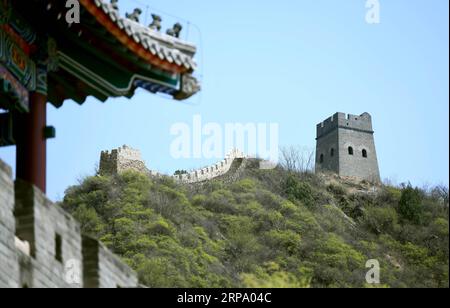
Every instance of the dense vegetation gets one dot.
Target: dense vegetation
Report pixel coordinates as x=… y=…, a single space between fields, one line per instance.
x=273 y=228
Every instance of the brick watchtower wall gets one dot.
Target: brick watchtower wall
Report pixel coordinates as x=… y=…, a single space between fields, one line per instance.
x=120 y=160
x=346 y=146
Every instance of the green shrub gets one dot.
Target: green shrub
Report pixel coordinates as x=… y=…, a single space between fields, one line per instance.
x=285 y=241
x=299 y=190
x=160 y=227
x=275 y=280
x=268 y=229
x=244 y=185
x=381 y=219
x=410 y=204
x=337 y=190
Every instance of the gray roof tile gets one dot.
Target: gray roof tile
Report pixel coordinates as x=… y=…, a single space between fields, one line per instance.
x=167 y=48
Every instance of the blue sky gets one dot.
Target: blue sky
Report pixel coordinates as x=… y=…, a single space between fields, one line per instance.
x=290 y=62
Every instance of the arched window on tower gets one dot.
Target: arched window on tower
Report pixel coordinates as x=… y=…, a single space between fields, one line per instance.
x=321 y=158
x=364 y=153
x=350 y=151
x=332 y=152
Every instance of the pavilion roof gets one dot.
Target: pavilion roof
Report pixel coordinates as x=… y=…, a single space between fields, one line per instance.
x=105 y=55
x=158 y=48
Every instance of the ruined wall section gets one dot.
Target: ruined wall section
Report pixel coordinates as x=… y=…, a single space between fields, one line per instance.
x=122 y=159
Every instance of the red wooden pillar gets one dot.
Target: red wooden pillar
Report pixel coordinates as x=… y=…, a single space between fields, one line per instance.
x=31 y=150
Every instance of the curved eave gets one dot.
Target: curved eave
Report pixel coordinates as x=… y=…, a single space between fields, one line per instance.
x=129 y=42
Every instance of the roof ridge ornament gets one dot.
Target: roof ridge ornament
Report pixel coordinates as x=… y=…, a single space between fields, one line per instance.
x=115 y=5
x=135 y=15
x=175 y=31
x=156 y=23
x=165 y=51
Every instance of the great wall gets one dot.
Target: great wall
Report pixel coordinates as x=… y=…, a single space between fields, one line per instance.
x=346 y=146
x=126 y=158
x=41 y=245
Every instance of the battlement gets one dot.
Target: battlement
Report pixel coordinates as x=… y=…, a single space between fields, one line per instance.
x=125 y=152
x=41 y=245
x=126 y=158
x=122 y=153
x=211 y=172
x=361 y=123
x=346 y=146
x=120 y=160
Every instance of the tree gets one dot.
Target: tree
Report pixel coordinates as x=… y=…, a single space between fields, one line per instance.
x=440 y=193
x=410 y=204
x=180 y=172
x=299 y=190
x=296 y=159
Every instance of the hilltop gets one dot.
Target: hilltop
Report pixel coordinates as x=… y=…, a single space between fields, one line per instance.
x=267 y=228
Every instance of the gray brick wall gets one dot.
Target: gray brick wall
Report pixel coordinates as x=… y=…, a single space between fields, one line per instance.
x=325 y=145
x=341 y=132
x=9 y=267
x=56 y=244
x=356 y=165
x=120 y=160
x=103 y=269
x=53 y=235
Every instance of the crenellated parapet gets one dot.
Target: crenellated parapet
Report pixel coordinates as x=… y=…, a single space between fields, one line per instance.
x=361 y=122
x=41 y=245
x=346 y=146
x=120 y=160
x=125 y=159
x=211 y=172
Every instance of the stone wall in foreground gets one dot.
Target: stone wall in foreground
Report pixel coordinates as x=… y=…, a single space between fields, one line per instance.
x=103 y=269
x=41 y=245
x=9 y=266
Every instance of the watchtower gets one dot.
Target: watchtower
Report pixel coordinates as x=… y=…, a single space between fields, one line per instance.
x=120 y=160
x=346 y=146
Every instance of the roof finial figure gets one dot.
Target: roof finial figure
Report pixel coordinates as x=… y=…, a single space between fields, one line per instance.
x=175 y=31
x=115 y=4
x=135 y=15
x=156 y=23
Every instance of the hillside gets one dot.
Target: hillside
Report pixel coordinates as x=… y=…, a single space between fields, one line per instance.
x=267 y=229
